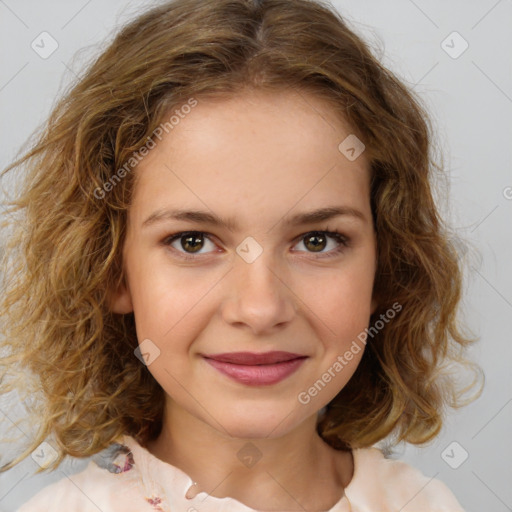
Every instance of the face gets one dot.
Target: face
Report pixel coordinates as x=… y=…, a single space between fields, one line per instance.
x=250 y=271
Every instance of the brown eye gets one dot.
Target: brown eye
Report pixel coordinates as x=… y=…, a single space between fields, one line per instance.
x=194 y=242
x=188 y=243
x=316 y=242
x=319 y=241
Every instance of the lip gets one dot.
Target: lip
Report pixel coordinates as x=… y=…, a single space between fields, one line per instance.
x=255 y=369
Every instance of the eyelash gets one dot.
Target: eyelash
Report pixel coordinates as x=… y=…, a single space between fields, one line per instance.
x=336 y=235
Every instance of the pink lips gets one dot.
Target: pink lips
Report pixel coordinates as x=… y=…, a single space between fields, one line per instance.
x=256 y=369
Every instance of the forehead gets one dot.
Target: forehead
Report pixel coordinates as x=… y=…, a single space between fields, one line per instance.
x=256 y=152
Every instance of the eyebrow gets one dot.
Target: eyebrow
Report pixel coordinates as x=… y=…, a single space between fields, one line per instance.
x=198 y=216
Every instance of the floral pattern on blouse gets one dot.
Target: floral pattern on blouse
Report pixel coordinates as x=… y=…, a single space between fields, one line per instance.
x=118 y=458
x=115 y=483
x=107 y=458
x=155 y=503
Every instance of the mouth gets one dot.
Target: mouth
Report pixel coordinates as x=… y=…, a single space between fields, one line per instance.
x=254 y=369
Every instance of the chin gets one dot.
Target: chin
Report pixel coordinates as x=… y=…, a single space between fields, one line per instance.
x=258 y=426
x=266 y=431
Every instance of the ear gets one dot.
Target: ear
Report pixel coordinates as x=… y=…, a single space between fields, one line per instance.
x=120 y=300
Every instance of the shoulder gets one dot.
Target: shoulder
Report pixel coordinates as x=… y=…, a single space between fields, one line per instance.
x=386 y=485
x=97 y=487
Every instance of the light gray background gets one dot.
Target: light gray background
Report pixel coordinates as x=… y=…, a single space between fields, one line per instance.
x=470 y=98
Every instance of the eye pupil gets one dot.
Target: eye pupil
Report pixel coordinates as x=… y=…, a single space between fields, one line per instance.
x=192 y=240
x=317 y=246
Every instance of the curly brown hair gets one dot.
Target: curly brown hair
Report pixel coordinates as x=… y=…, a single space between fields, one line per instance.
x=63 y=251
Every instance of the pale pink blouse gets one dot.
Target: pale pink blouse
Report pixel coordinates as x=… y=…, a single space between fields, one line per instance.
x=131 y=479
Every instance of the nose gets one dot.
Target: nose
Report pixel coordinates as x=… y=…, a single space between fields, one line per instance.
x=257 y=297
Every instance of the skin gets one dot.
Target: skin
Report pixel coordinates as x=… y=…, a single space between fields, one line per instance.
x=260 y=158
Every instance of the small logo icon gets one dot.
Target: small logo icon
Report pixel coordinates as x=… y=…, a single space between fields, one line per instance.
x=249 y=455
x=147 y=352
x=454 y=455
x=44 y=454
x=454 y=45
x=44 y=45
x=249 y=250
x=351 y=147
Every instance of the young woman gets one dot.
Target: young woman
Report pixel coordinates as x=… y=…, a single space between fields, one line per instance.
x=229 y=278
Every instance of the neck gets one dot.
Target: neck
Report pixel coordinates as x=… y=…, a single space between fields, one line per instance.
x=295 y=471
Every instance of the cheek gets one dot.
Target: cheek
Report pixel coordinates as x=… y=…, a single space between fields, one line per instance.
x=171 y=311
x=168 y=301
x=341 y=300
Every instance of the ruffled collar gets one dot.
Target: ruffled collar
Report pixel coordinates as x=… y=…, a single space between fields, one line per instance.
x=168 y=488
